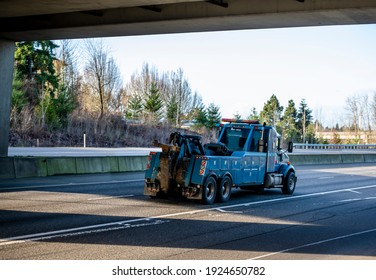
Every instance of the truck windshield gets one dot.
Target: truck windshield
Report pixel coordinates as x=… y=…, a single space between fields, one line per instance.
x=234 y=138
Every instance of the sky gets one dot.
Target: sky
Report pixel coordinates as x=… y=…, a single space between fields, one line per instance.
x=239 y=70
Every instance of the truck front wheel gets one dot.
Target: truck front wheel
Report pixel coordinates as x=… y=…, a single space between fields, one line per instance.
x=289 y=183
x=224 y=189
x=210 y=191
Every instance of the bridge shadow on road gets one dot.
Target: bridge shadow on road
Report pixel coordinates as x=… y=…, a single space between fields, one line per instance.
x=338 y=222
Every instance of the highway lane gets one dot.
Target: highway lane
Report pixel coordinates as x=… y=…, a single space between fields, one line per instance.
x=105 y=216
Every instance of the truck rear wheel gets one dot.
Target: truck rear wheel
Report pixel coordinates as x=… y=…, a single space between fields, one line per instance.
x=210 y=191
x=289 y=183
x=224 y=189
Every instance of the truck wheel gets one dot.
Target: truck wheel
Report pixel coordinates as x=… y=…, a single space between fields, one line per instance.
x=289 y=183
x=224 y=189
x=210 y=191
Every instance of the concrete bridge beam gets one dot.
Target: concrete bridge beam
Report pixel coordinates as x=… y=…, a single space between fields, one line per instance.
x=6 y=77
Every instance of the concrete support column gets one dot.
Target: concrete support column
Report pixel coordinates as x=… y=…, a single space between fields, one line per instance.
x=6 y=77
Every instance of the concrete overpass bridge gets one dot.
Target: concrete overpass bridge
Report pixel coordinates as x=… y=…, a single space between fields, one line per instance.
x=22 y=20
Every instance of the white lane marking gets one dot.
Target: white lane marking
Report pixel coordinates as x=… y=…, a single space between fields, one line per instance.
x=110 y=197
x=70 y=234
x=327 y=177
x=71 y=184
x=351 y=199
x=226 y=211
x=351 y=190
x=314 y=243
x=57 y=233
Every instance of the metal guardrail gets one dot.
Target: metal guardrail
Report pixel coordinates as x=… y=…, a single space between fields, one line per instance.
x=334 y=146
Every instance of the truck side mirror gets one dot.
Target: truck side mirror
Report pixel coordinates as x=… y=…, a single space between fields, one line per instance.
x=290 y=147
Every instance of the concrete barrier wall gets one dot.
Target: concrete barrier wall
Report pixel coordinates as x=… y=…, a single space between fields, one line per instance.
x=306 y=159
x=23 y=167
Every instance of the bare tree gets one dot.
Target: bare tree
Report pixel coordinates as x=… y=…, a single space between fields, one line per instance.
x=373 y=110
x=175 y=91
x=140 y=83
x=180 y=91
x=354 y=112
x=67 y=66
x=366 y=115
x=102 y=74
x=361 y=110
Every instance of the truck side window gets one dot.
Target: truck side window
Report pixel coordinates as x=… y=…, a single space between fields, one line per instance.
x=256 y=136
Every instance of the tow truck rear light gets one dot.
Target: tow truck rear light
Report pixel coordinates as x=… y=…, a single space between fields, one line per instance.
x=149 y=160
x=203 y=167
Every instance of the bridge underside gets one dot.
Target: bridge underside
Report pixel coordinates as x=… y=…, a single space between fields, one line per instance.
x=23 y=20
x=56 y=19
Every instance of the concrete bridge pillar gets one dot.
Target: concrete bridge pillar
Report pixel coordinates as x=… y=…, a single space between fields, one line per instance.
x=6 y=77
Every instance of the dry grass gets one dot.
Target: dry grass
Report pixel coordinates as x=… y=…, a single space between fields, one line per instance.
x=108 y=131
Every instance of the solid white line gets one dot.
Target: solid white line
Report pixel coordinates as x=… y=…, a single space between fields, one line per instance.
x=226 y=211
x=57 y=233
x=314 y=243
x=110 y=197
x=298 y=197
x=71 y=184
x=327 y=177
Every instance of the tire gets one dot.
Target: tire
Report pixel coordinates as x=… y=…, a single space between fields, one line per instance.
x=210 y=191
x=224 y=189
x=289 y=183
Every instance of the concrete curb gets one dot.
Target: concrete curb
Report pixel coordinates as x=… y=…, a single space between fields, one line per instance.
x=23 y=167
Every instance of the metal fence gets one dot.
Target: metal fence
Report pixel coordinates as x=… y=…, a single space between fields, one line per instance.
x=334 y=146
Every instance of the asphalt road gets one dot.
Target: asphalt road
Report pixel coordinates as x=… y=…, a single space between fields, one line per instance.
x=331 y=215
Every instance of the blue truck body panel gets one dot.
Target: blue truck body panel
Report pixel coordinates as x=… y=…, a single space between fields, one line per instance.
x=245 y=155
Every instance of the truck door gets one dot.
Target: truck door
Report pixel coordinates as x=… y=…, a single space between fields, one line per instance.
x=246 y=169
x=253 y=161
x=249 y=169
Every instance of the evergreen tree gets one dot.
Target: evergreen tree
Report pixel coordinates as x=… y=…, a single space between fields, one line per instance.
x=172 y=110
x=201 y=117
x=135 y=107
x=271 y=112
x=213 y=116
x=237 y=116
x=19 y=100
x=154 y=103
x=289 y=125
x=34 y=62
x=254 y=115
x=304 y=119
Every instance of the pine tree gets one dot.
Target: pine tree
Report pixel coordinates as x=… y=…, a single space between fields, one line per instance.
x=271 y=113
x=154 y=103
x=304 y=120
x=289 y=125
x=213 y=116
x=201 y=117
x=35 y=65
x=135 y=107
x=172 y=110
x=254 y=115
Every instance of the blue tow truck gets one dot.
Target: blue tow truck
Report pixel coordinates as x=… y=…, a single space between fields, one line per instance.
x=247 y=155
